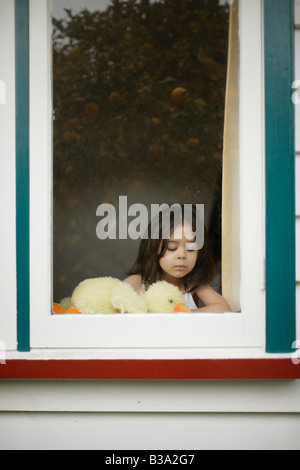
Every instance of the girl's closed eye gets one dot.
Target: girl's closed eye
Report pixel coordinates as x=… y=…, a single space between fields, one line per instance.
x=172 y=246
x=172 y=249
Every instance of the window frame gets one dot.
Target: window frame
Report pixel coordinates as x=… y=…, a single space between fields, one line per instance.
x=280 y=175
x=35 y=236
x=22 y=175
x=143 y=331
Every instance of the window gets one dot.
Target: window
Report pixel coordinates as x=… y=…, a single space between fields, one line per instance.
x=138 y=98
x=196 y=332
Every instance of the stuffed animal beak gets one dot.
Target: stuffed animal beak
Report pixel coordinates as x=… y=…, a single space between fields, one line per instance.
x=180 y=308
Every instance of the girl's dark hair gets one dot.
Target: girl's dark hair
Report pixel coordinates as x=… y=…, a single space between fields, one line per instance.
x=152 y=250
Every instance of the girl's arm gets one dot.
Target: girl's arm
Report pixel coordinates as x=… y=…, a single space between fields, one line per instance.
x=214 y=302
x=136 y=282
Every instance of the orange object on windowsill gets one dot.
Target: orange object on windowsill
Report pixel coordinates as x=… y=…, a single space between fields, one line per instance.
x=59 y=310
x=181 y=308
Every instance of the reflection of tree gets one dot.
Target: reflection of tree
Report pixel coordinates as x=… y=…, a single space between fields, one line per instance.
x=139 y=103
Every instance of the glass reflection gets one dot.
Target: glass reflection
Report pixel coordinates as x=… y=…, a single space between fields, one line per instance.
x=138 y=98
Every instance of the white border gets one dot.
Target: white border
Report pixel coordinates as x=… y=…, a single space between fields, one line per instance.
x=152 y=332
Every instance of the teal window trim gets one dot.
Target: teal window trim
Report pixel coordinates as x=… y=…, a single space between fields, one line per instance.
x=22 y=173
x=280 y=176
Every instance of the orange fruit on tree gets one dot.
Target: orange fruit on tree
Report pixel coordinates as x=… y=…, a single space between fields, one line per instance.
x=179 y=94
x=71 y=123
x=208 y=62
x=91 y=111
x=117 y=99
x=155 y=121
x=193 y=143
x=73 y=136
x=155 y=151
x=147 y=48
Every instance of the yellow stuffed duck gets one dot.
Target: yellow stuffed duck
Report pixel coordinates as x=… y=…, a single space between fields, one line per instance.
x=109 y=295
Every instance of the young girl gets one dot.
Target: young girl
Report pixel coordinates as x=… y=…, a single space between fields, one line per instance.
x=178 y=261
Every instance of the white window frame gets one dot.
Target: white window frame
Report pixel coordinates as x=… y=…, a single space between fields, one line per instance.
x=162 y=335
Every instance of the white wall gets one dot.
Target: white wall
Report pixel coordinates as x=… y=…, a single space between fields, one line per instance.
x=7 y=178
x=149 y=431
x=156 y=415
x=150 y=415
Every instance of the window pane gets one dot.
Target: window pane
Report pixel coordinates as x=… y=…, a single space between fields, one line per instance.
x=138 y=100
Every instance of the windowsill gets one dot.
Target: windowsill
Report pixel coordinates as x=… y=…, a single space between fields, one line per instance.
x=144 y=331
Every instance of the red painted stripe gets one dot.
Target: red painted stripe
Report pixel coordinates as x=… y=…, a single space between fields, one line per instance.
x=151 y=369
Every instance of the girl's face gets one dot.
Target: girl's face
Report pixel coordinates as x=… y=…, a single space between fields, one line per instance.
x=181 y=255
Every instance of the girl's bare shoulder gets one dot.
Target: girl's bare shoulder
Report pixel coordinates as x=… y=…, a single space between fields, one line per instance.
x=136 y=282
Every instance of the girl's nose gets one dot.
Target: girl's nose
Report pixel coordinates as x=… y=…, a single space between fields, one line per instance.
x=181 y=253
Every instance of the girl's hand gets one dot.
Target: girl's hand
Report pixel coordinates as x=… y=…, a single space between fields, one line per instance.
x=214 y=302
